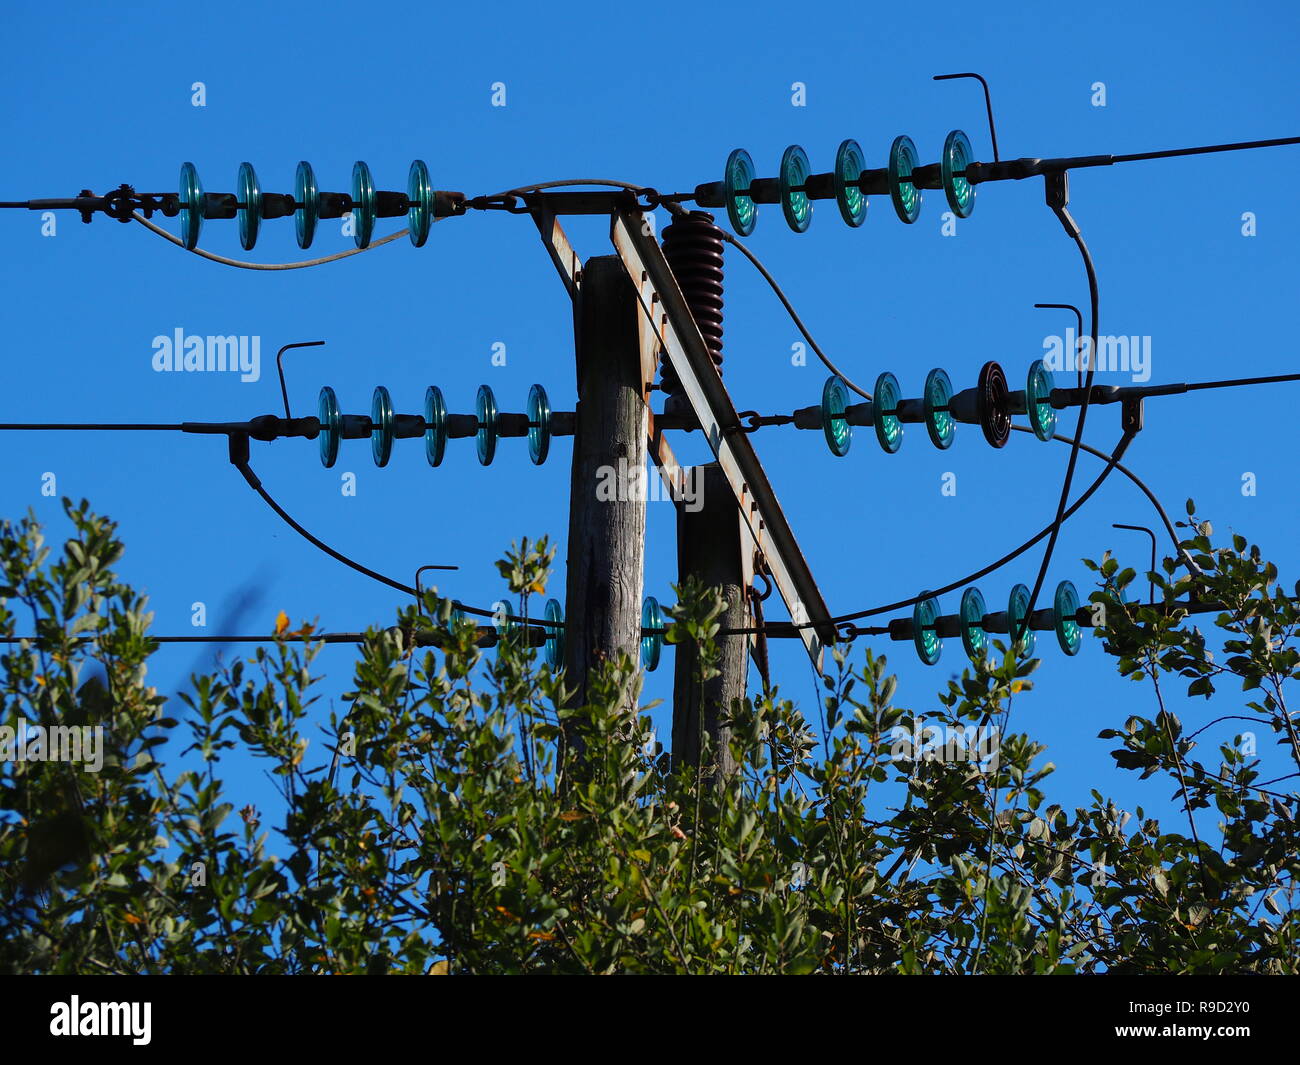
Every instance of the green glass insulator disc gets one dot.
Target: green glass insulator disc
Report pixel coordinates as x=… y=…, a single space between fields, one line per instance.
x=327 y=413
x=851 y=200
x=885 y=398
x=795 y=204
x=419 y=192
x=839 y=433
x=1017 y=608
x=1038 y=392
x=248 y=192
x=539 y=425
x=553 y=616
x=957 y=154
x=928 y=644
x=363 y=204
x=191 y=196
x=973 y=637
x=485 y=406
x=381 y=422
x=906 y=196
x=939 y=422
x=435 y=425
x=736 y=179
x=306 y=197
x=652 y=644
x=1065 y=604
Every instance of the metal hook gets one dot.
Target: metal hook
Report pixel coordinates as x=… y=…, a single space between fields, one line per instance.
x=419 y=592
x=1078 y=336
x=1151 y=591
x=279 y=367
x=988 y=104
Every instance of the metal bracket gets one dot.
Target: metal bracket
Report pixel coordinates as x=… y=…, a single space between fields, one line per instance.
x=666 y=310
x=557 y=243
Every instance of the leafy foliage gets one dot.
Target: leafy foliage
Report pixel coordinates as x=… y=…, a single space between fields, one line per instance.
x=452 y=827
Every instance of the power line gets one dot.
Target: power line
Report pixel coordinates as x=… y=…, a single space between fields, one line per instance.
x=740 y=191
x=1112 y=461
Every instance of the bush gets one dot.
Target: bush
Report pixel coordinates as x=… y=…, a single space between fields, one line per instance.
x=454 y=826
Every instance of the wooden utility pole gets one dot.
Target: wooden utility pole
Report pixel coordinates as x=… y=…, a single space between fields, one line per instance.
x=625 y=319
x=606 y=497
x=713 y=546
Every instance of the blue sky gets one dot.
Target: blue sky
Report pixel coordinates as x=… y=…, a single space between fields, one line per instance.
x=659 y=97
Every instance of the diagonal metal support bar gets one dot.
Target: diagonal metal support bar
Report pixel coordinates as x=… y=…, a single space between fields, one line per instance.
x=666 y=309
x=569 y=266
x=557 y=243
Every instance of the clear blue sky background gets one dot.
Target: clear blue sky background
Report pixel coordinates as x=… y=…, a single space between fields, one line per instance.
x=654 y=96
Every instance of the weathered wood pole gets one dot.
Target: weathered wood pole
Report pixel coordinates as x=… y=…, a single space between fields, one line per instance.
x=606 y=548
x=710 y=547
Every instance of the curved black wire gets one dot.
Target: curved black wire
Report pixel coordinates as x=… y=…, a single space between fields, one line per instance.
x=1091 y=270
x=1155 y=502
x=255 y=483
x=1112 y=462
x=243 y=265
x=540 y=186
x=678 y=210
